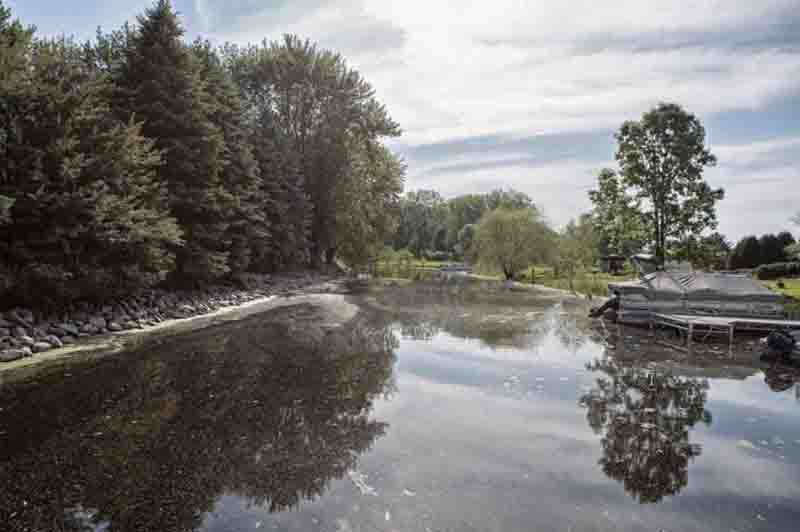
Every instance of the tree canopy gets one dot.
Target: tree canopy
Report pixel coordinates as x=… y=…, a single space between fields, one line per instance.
x=139 y=158
x=431 y=225
x=660 y=185
x=510 y=240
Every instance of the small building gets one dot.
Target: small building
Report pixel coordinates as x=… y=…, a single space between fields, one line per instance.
x=612 y=264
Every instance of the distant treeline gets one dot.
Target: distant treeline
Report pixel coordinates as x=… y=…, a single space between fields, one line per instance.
x=431 y=227
x=138 y=158
x=752 y=251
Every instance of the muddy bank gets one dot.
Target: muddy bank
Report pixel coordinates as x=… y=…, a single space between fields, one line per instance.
x=167 y=316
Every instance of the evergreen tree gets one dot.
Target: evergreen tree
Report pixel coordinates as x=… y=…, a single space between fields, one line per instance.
x=160 y=84
x=15 y=40
x=240 y=174
x=772 y=249
x=89 y=219
x=747 y=253
x=787 y=242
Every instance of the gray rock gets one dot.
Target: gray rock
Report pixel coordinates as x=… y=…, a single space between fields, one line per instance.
x=53 y=340
x=56 y=330
x=63 y=329
x=5 y=324
x=68 y=340
x=11 y=354
x=25 y=340
x=38 y=347
x=20 y=316
x=5 y=331
x=20 y=331
x=88 y=328
x=98 y=322
x=114 y=326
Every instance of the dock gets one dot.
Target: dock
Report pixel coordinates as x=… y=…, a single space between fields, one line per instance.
x=692 y=325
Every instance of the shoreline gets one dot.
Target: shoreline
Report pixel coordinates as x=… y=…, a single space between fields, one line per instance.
x=26 y=341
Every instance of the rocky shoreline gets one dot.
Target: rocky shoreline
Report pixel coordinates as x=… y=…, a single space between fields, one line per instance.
x=24 y=333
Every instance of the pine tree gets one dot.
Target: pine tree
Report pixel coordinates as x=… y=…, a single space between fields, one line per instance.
x=89 y=219
x=160 y=85
x=240 y=173
x=15 y=40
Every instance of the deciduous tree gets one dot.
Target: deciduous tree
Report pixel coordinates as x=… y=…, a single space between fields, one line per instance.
x=662 y=158
x=512 y=239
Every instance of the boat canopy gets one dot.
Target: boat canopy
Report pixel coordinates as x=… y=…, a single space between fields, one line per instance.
x=695 y=286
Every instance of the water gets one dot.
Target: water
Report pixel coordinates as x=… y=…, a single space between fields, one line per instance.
x=434 y=409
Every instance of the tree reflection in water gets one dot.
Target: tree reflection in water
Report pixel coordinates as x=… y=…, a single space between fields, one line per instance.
x=644 y=416
x=151 y=440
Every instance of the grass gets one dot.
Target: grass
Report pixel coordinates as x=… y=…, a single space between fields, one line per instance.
x=791 y=288
x=592 y=283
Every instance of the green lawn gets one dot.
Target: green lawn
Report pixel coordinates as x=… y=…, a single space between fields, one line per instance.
x=791 y=288
x=595 y=284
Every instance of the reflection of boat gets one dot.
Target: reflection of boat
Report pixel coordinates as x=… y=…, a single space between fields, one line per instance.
x=695 y=293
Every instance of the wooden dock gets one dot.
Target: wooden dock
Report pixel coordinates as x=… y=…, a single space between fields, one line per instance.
x=719 y=325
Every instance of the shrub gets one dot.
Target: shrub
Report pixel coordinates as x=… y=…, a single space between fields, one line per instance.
x=777 y=270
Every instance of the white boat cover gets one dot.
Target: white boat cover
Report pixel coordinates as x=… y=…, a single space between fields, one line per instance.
x=697 y=286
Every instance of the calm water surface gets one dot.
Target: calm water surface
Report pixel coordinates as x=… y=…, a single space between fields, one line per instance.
x=428 y=412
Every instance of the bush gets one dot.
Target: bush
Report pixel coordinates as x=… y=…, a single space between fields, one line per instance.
x=767 y=272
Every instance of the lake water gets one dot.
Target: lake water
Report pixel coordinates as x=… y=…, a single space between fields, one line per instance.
x=432 y=410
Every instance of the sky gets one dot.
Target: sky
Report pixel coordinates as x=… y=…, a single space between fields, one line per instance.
x=526 y=94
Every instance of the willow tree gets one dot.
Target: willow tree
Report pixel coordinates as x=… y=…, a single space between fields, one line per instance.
x=662 y=158
x=512 y=239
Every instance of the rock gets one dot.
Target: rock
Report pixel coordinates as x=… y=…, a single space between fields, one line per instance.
x=11 y=354
x=26 y=340
x=68 y=340
x=115 y=327
x=88 y=328
x=20 y=316
x=38 y=347
x=4 y=324
x=5 y=331
x=20 y=331
x=53 y=340
x=64 y=329
x=98 y=322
